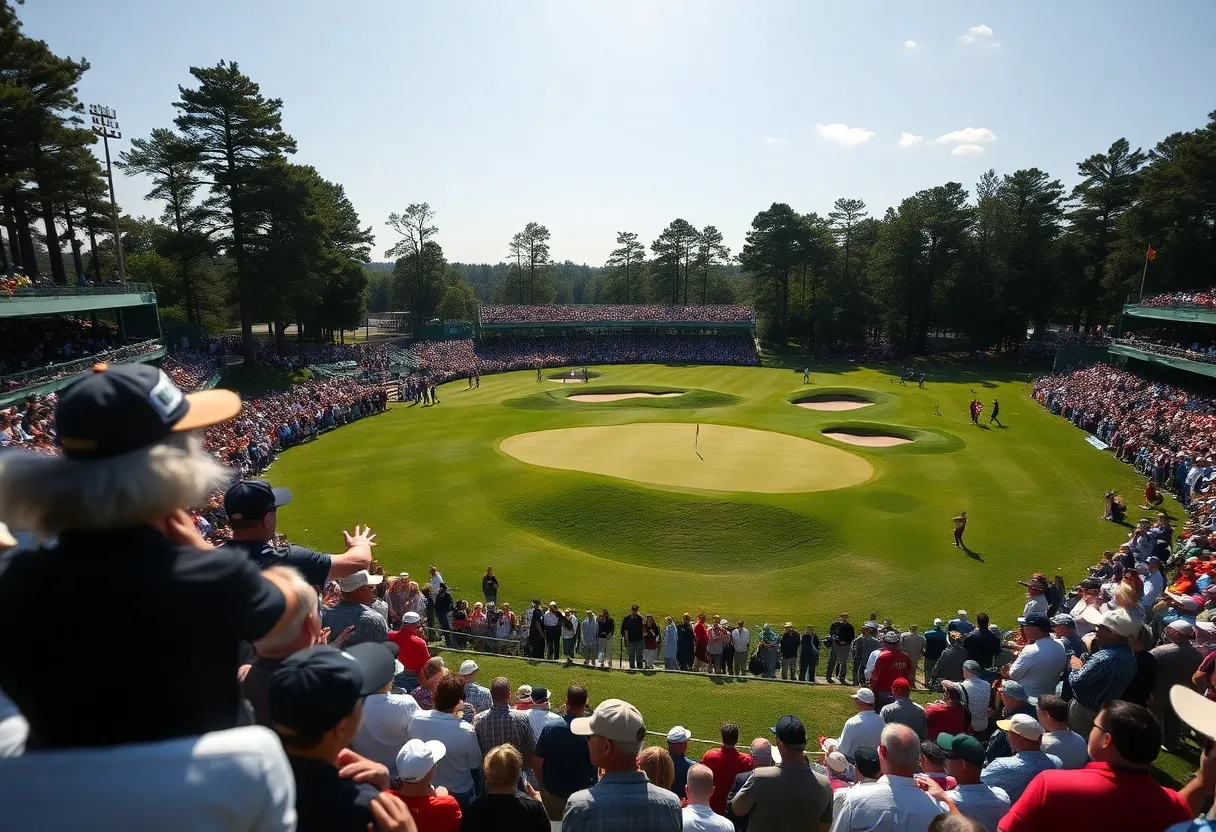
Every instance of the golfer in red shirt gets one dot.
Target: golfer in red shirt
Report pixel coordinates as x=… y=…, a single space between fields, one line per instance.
x=726 y=763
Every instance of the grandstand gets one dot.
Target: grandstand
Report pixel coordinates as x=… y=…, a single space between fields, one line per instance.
x=49 y=333
x=1172 y=330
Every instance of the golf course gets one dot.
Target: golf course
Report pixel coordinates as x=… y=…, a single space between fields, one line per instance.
x=736 y=491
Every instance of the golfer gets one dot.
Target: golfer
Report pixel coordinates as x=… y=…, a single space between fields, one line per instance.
x=960 y=526
x=996 y=411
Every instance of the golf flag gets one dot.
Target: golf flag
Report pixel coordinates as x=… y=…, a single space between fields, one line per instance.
x=1151 y=254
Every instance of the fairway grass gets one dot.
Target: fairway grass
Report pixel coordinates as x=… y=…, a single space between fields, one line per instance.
x=435 y=486
x=704 y=457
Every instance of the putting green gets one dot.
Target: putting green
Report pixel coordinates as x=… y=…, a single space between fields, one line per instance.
x=705 y=457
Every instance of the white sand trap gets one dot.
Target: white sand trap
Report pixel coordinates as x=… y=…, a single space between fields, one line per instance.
x=714 y=458
x=837 y=404
x=868 y=441
x=567 y=380
x=616 y=397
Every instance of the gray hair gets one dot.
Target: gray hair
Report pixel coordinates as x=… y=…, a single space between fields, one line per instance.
x=902 y=745
x=51 y=494
x=283 y=637
x=762 y=751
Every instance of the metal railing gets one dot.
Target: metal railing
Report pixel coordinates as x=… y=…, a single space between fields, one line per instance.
x=29 y=378
x=51 y=290
x=1162 y=349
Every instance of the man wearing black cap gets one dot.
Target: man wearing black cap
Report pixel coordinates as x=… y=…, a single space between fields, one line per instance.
x=789 y=794
x=252 y=509
x=1041 y=660
x=316 y=705
x=132 y=463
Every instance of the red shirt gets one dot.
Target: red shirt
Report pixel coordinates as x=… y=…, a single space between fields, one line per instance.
x=1093 y=797
x=891 y=664
x=701 y=634
x=434 y=814
x=726 y=764
x=412 y=650
x=944 y=719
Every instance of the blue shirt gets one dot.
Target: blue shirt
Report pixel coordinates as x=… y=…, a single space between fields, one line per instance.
x=935 y=642
x=1105 y=676
x=1013 y=774
x=960 y=625
x=567 y=767
x=623 y=800
x=314 y=566
x=682 y=764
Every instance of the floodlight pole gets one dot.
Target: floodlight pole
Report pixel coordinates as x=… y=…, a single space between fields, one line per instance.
x=106 y=126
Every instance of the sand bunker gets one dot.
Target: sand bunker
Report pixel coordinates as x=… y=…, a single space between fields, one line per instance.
x=568 y=380
x=616 y=397
x=867 y=440
x=834 y=404
x=681 y=455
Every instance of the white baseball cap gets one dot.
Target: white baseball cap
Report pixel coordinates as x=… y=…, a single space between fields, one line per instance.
x=679 y=734
x=837 y=762
x=614 y=719
x=1116 y=620
x=416 y=758
x=468 y=666
x=411 y=617
x=937 y=621
x=864 y=695
x=358 y=580
x=962 y=612
x=1024 y=725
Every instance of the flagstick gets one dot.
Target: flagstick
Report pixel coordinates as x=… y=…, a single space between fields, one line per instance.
x=1144 y=275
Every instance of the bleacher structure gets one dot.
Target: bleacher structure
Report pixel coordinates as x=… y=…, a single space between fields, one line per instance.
x=1190 y=321
x=135 y=312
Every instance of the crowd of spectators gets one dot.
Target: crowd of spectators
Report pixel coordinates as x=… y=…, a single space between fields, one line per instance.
x=589 y=315
x=1160 y=342
x=33 y=348
x=1202 y=300
x=295 y=355
x=190 y=369
x=1165 y=431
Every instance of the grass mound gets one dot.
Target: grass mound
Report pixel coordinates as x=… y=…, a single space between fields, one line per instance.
x=920 y=440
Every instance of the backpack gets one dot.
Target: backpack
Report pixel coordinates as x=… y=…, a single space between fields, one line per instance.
x=755 y=665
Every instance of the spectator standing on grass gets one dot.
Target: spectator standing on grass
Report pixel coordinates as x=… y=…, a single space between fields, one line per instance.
x=502 y=724
x=569 y=634
x=903 y=710
x=726 y=762
x=1177 y=662
x=686 y=641
x=650 y=642
x=590 y=634
x=790 y=795
x=1117 y=785
x=539 y=715
x=677 y=746
x=489 y=586
x=316 y=704
x=444 y=723
x=982 y=644
x=862 y=647
x=385 y=726
x=698 y=815
x=975 y=693
x=412 y=651
x=891 y=664
x=605 y=632
x=632 y=633
x=503 y=807
x=428 y=679
x=563 y=761
x=767 y=651
x=913 y=644
x=936 y=640
x=431 y=808
x=740 y=640
x=840 y=638
x=960 y=623
x=808 y=658
x=444 y=604
x=657 y=765
x=896 y=795
x=552 y=622
x=789 y=644
x=670 y=644
x=701 y=647
x=436 y=580
x=1071 y=748
x=762 y=756
x=252 y=509
x=719 y=639
x=475 y=694
x=972 y=797
x=863 y=729
x=622 y=799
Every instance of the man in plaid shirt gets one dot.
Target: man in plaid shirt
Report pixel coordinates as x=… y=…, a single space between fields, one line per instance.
x=502 y=724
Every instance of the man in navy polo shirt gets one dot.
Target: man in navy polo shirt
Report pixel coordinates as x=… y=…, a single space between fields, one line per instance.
x=252 y=509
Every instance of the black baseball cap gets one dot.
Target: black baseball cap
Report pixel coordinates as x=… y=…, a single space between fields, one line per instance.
x=116 y=409
x=866 y=760
x=314 y=689
x=789 y=730
x=1037 y=619
x=253 y=499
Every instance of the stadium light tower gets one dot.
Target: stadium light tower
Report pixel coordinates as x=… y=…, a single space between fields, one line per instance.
x=105 y=124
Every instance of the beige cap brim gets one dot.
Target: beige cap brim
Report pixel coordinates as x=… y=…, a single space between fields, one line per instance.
x=1194 y=709
x=7 y=541
x=208 y=407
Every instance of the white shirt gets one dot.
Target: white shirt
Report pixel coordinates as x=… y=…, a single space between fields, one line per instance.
x=985 y=805
x=862 y=730
x=701 y=818
x=550 y=619
x=1070 y=747
x=539 y=717
x=436 y=580
x=237 y=780
x=1037 y=603
x=1084 y=628
x=385 y=727
x=871 y=661
x=893 y=804
x=1039 y=666
x=978 y=692
x=1154 y=583
x=463 y=755
x=740 y=638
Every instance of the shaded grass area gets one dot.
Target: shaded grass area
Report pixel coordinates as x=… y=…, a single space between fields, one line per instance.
x=702 y=703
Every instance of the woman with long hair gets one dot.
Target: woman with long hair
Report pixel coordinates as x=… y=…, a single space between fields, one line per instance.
x=659 y=767
x=650 y=642
x=428 y=680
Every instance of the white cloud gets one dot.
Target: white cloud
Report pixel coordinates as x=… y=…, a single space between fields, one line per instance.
x=976 y=32
x=771 y=140
x=909 y=139
x=910 y=44
x=967 y=150
x=844 y=134
x=968 y=135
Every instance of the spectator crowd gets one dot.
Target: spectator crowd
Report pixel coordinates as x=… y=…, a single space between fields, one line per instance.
x=589 y=314
x=1202 y=300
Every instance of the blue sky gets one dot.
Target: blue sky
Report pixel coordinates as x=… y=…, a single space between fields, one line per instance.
x=598 y=117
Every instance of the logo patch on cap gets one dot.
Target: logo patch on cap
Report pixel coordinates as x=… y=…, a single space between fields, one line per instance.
x=165 y=396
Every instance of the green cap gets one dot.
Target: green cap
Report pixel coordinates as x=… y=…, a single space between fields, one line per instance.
x=962 y=747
